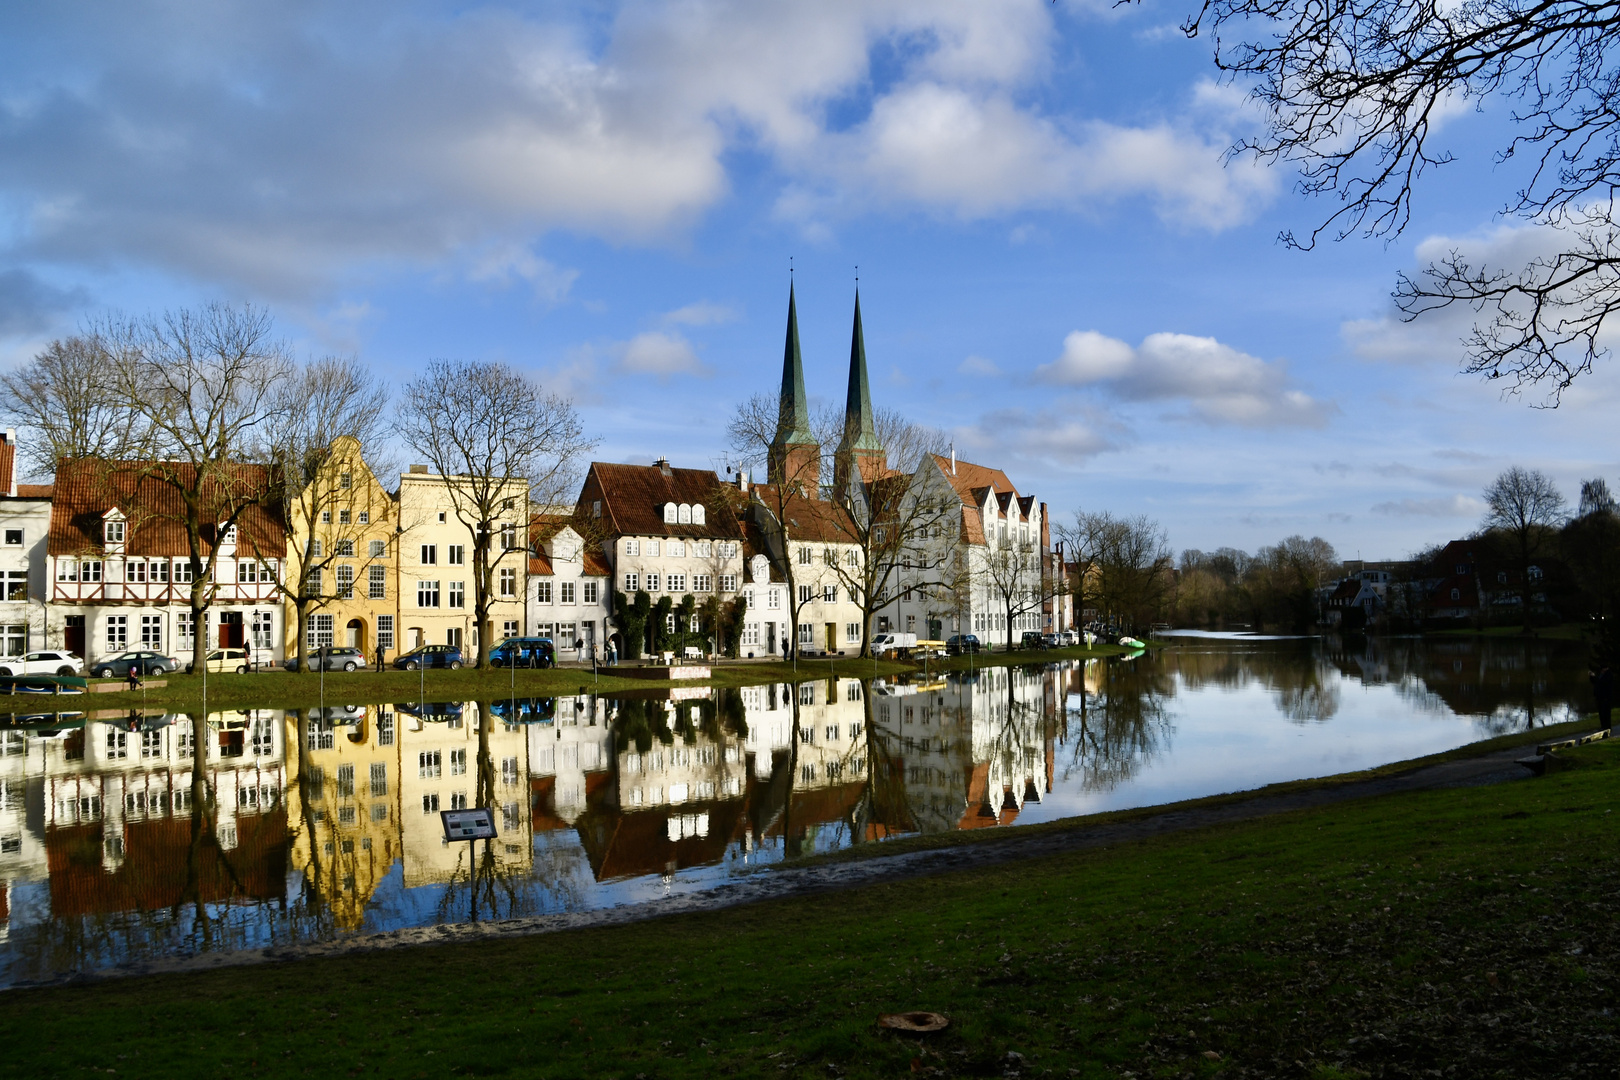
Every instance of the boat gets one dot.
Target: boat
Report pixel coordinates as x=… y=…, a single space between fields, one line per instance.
x=1132 y=643
x=44 y=684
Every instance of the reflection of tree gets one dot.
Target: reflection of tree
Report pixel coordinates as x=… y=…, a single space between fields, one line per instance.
x=1124 y=727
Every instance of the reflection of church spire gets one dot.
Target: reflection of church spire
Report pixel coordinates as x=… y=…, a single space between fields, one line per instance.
x=860 y=446
x=794 y=455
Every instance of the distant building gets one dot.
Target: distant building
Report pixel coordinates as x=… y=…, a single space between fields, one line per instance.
x=25 y=521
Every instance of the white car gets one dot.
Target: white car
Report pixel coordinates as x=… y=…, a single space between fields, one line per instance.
x=44 y=662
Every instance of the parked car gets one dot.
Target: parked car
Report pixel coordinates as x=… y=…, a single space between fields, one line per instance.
x=887 y=642
x=219 y=660
x=330 y=658
x=1032 y=639
x=430 y=656
x=1051 y=641
x=138 y=660
x=524 y=652
x=957 y=644
x=44 y=662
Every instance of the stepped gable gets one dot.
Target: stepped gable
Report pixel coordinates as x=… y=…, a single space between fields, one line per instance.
x=86 y=489
x=633 y=497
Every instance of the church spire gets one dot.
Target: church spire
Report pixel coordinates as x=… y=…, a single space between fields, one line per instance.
x=860 y=445
x=794 y=455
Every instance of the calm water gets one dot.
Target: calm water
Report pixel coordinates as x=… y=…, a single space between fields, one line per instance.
x=310 y=825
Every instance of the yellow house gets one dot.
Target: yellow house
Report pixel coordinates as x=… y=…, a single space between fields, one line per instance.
x=434 y=571
x=342 y=545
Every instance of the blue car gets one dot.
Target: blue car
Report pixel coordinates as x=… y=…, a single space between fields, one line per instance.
x=524 y=652
x=430 y=656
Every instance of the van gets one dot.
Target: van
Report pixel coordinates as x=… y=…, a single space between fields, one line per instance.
x=524 y=652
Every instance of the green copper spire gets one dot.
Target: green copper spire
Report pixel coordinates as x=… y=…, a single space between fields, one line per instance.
x=793 y=419
x=859 y=433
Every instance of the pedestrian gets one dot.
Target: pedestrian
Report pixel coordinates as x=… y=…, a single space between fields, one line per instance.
x=1603 y=691
x=134 y=678
x=379 y=659
x=612 y=652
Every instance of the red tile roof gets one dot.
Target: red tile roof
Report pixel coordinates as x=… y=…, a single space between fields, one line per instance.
x=633 y=497
x=813 y=520
x=35 y=491
x=971 y=480
x=86 y=489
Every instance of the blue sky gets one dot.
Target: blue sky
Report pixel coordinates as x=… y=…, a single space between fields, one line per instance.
x=1055 y=264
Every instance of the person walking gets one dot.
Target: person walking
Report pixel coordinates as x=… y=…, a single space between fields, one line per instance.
x=1603 y=692
x=612 y=653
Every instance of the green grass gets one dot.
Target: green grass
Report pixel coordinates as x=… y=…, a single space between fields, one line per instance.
x=1560 y=632
x=1469 y=932
x=283 y=690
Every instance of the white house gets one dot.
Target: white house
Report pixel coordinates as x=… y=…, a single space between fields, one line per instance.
x=25 y=521
x=570 y=592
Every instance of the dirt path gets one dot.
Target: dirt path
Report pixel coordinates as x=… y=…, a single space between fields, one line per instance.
x=773 y=883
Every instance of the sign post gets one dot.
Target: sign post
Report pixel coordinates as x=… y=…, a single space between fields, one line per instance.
x=472 y=825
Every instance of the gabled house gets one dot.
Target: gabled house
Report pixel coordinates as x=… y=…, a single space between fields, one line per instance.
x=25 y=519
x=121 y=573
x=570 y=596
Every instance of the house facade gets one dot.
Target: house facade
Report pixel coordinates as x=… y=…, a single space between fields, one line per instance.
x=435 y=587
x=121 y=574
x=570 y=591
x=25 y=521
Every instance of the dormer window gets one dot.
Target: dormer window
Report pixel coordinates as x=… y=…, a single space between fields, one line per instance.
x=230 y=535
x=669 y=513
x=683 y=514
x=699 y=516
x=114 y=532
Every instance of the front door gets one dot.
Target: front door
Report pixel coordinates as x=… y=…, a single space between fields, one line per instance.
x=73 y=635
x=770 y=637
x=832 y=637
x=230 y=630
x=356 y=635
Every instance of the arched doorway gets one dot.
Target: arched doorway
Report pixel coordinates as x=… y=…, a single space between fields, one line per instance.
x=356 y=635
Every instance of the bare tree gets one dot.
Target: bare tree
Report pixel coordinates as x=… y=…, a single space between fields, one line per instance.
x=1010 y=572
x=1353 y=94
x=1525 y=506
x=68 y=399
x=498 y=440
x=331 y=413
x=204 y=387
x=1126 y=569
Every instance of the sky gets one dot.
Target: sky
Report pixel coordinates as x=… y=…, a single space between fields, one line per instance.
x=1057 y=265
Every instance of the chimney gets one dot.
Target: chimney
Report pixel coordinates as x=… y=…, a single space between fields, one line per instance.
x=419 y=469
x=953 y=459
x=663 y=465
x=742 y=479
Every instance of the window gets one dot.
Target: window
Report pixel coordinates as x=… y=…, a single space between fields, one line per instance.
x=508 y=582
x=728 y=582
x=441 y=517
x=508 y=537
x=750 y=634
x=345 y=548
x=345 y=582
x=804 y=555
x=152 y=632
x=430 y=555
x=385 y=727
x=427 y=594
x=16 y=585
x=115 y=532
x=117 y=633
x=14 y=537
x=677 y=549
x=377 y=583
x=316 y=551
x=16 y=639
x=263 y=629
x=345 y=781
x=700 y=516
x=182 y=572
x=852 y=558
x=343 y=517
x=773 y=598
x=829 y=594
x=632 y=547
x=829 y=556
x=566 y=591
x=458 y=800
x=632 y=582
x=430 y=803
x=345 y=480
x=456 y=554
x=326 y=517
x=135 y=572
x=677 y=583
x=117 y=744
x=365 y=517
x=542 y=590
x=458 y=594
x=852 y=632
x=807 y=634
x=379 y=549
x=652 y=582
x=385 y=631
x=314 y=581
x=804 y=594
x=703 y=549
x=593 y=592
x=652 y=548
x=90 y=570
x=319 y=631
x=703 y=583
x=427 y=765
x=458 y=763
x=185 y=629
x=509 y=628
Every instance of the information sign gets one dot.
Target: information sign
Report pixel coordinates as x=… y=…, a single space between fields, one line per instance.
x=477 y=823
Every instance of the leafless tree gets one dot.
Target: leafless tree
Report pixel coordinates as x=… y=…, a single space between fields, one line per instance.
x=500 y=441
x=1010 y=573
x=1353 y=94
x=1126 y=568
x=67 y=399
x=331 y=415
x=1525 y=506
x=204 y=388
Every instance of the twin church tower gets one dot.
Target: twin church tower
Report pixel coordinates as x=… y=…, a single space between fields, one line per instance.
x=795 y=453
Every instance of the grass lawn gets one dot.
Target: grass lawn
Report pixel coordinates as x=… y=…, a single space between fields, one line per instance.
x=282 y=690
x=1560 y=632
x=1466 y=933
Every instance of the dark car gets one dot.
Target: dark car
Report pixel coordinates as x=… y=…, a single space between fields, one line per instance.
x=1033 y=639
x=957 y=644
x=530 y=652
x=426 y=656
x=330 y=658
x=142 y=662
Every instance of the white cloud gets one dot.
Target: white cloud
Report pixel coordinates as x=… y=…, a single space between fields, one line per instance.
x=662 y=355
x=1220 y=384
x=1059 y=438
x=978 y=365
x=702 y=313
x=501 y=264
x=1453 y=506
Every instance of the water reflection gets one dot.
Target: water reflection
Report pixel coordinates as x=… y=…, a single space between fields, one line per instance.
x=125 y=836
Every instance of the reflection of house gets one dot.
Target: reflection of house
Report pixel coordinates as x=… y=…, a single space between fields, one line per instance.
x=349 y=558
x=438 y=771
x=344 y=802
x=121 y=569
x=25 y=519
